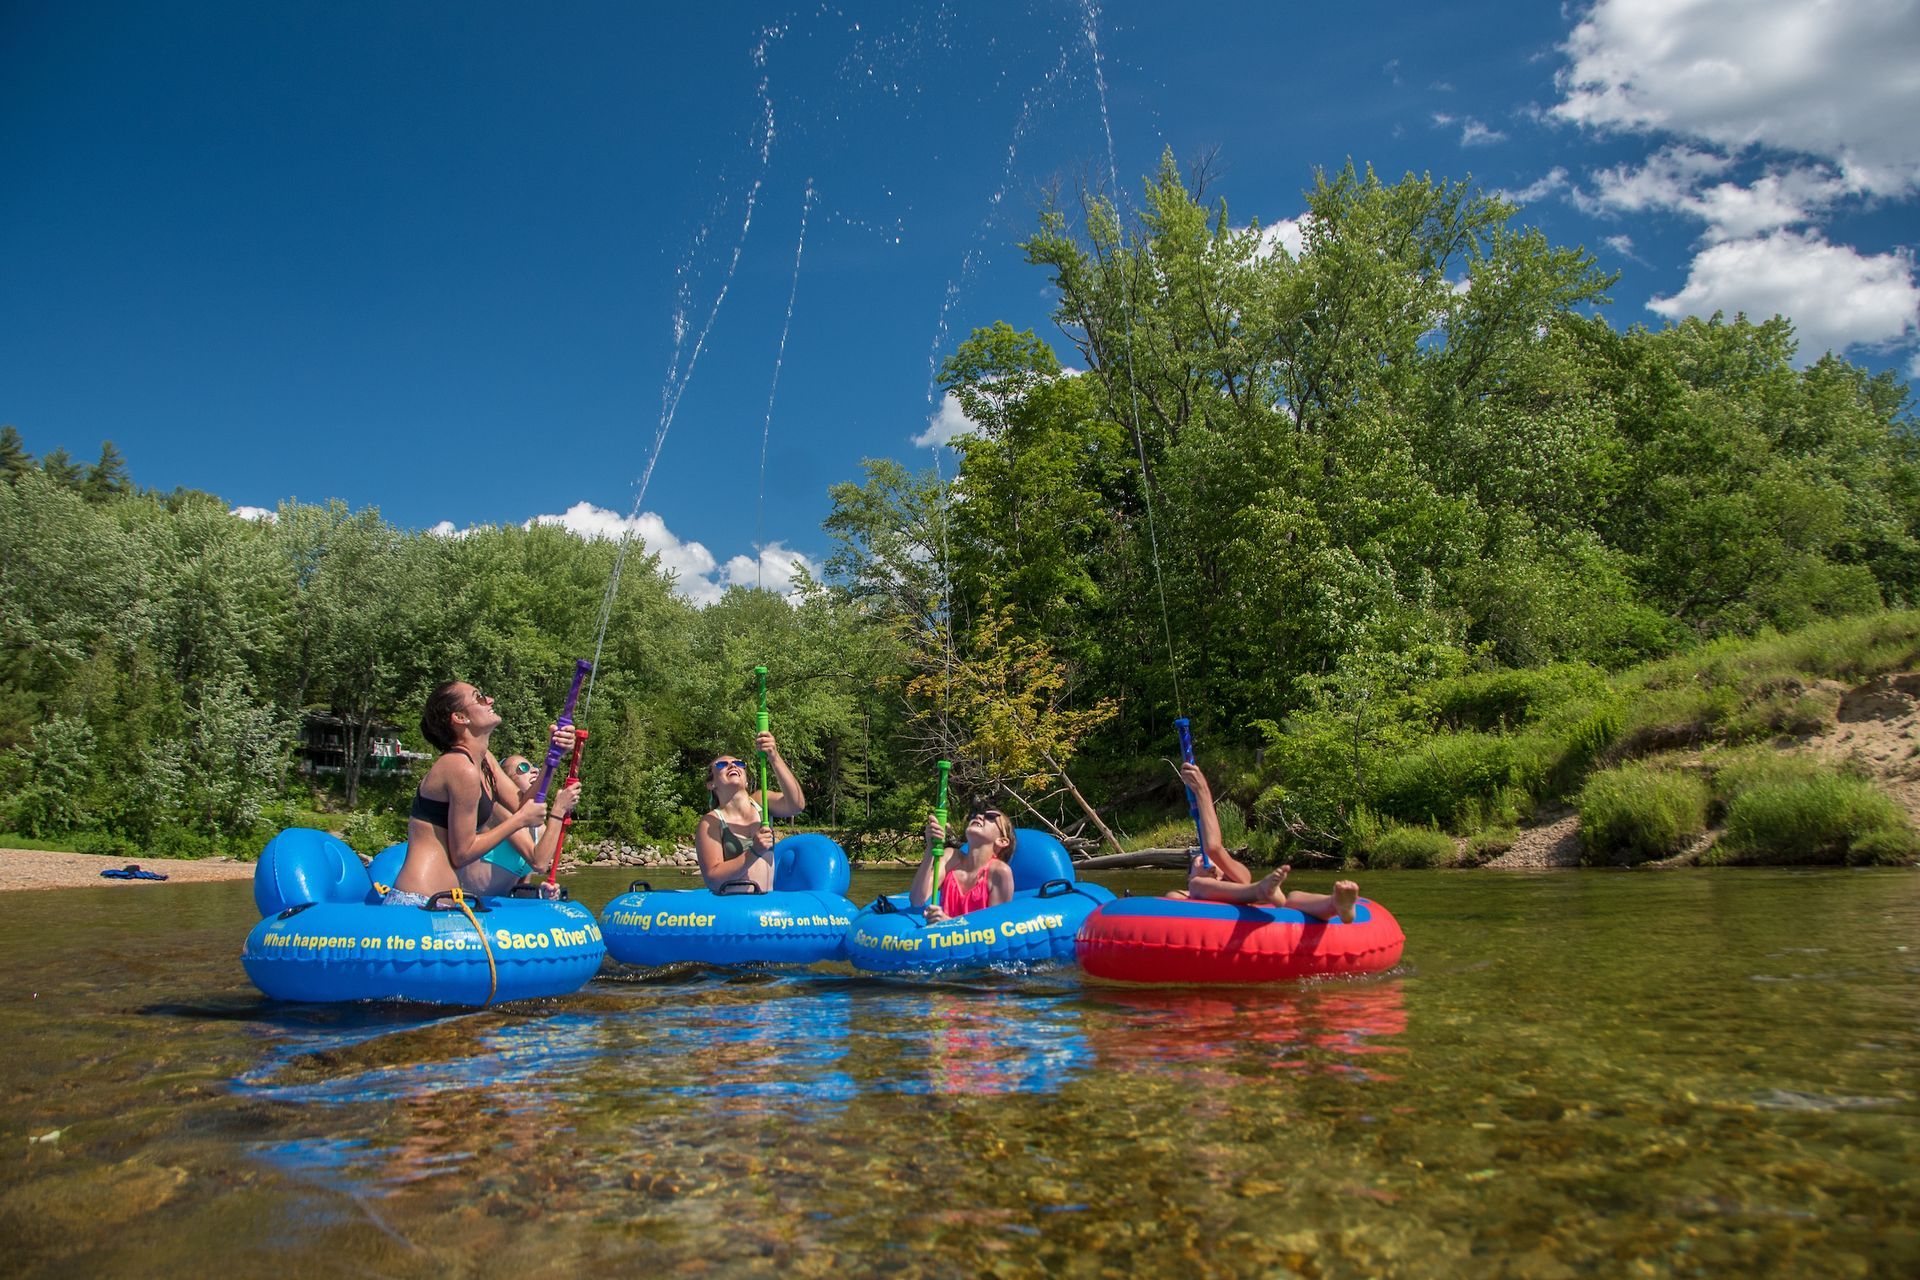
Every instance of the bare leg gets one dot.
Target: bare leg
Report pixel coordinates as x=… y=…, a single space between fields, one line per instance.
x=1325 y=906
x=1269 y=891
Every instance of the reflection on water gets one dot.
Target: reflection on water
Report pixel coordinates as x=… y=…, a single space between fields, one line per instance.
x=1583 y=1074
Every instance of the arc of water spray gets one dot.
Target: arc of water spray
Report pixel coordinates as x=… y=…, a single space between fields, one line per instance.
x=678 y=379
x=779 y=358
x=1091 y=10
x=969 y=264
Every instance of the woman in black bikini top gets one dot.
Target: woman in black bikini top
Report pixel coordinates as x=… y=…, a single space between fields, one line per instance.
x=447 y=826
x=435 y=811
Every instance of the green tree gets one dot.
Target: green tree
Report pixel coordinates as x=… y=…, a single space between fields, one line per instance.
x=107 y=478
x=15 y=461
x=57 y=467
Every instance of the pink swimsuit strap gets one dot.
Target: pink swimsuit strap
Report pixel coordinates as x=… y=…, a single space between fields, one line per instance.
x=955 y=903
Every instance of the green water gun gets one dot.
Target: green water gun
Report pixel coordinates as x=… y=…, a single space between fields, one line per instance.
x=940 y=812
x=762 y=723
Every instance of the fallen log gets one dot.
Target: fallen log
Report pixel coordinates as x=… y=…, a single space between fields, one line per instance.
x=1173 y=859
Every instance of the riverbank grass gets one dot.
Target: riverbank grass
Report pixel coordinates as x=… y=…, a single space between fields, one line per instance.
x=1784 y=810
x=1640 y=812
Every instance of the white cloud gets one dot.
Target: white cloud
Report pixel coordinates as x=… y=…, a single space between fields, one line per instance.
x=253 y=513
x=1475 y=134
x=1836 y=296
x=1666 y=181
x=1913 y=366
x=1674 y=179
x=698 y=574
x=947 y=425
x=1288 y=233
x=779 y=567
x=1833 y=79
x=1472 y=132
x=1622 y=245
x=1539 y=189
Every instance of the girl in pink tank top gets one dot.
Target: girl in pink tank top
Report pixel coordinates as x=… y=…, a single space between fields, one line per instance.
x=977 y=874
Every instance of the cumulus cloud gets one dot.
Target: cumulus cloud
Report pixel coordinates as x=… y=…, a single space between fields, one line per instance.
x=1676 y=179
x=1554 y=180
x=698 y=575
x=1836 y=296
x=1623 y=245
x=1819 y=96
x=1475 y=134
x=1472 y=132
x=1834 y=80
x=1288 y=233
x=947 y=425
x=253 y=513
x=777 y=569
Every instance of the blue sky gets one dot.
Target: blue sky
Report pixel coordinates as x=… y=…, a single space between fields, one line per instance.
x=429 y=256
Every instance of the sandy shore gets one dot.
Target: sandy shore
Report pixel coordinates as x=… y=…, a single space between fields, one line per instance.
x=39 y=869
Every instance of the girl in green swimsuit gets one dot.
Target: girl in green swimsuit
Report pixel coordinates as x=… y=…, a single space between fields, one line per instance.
x=733 y=840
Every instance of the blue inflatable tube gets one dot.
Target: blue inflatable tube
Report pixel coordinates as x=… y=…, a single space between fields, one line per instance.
x=1038 y=927
x=326 y=937
x=802 y=920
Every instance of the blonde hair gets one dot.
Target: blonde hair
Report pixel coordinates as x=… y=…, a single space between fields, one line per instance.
x=1004 y=825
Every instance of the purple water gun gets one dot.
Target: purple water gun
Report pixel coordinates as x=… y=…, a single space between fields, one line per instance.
x=554 y=753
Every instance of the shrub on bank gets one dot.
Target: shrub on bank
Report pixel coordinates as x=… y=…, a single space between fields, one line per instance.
x=1815 y=819
x=1399 y=848
x=368 y=833
x=1551 y=758
x=1791 y=709
x=1737 y=772
x=1639 y=812
x=1492 y=700
x=1665 y=718
x=1483 y=847
x=1439 y=782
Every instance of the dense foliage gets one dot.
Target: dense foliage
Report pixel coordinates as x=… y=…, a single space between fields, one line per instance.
x=1381 y=515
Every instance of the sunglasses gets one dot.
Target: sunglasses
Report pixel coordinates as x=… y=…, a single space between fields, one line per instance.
x=729 y=764
x=525 y=766
x=993 y=814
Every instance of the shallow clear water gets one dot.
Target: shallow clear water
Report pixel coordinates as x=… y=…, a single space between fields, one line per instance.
x=1690 y=1073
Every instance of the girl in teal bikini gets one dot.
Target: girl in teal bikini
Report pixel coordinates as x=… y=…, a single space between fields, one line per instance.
x=529 y=851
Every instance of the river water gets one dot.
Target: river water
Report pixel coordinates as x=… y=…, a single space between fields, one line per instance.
x=1571 y=1074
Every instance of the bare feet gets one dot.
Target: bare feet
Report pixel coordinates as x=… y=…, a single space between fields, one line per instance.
x=1273 y=887
x=1345 y=895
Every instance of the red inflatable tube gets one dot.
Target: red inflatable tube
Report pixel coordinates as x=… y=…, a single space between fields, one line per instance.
x=1176 y=940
